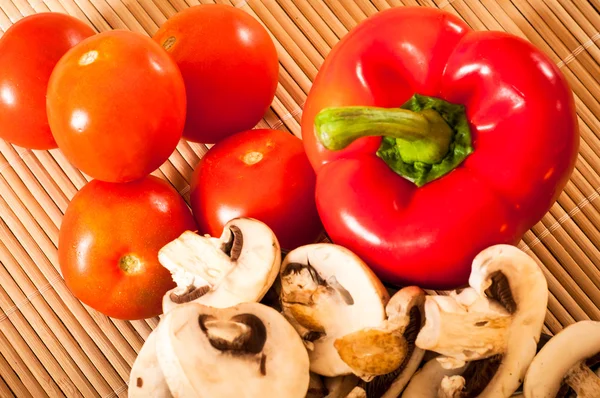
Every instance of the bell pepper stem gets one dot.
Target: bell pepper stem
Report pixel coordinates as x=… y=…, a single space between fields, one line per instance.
x=423 y=140
x=423 y=136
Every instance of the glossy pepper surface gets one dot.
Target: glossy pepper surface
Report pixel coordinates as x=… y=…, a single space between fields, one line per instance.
x=432 y=141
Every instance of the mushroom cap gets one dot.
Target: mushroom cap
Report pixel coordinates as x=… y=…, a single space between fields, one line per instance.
x=499 y=319
x=528 y=301
x=249 y=350
x=146 y=378
x=327 y=292
x=405 y=312
x=238 y=267
x=566 y=349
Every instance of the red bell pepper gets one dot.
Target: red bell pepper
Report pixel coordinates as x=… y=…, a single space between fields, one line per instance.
x=480 y=136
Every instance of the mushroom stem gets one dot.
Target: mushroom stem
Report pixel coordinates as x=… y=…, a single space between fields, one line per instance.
x=427 y=380
x=465 y=327
x=583 y=381
x=451 y=387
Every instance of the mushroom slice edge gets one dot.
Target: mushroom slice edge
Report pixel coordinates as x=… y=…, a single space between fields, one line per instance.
x=238 y=267
x=327 y=292
x=146 y=378
x=578 y=347
x=495 y=324
x=244 y=351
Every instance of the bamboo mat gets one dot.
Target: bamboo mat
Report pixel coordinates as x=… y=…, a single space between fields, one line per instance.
x=52 y=345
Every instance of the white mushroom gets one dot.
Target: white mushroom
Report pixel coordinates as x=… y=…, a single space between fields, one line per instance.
x=146 y=378
x=405 y=312
x=495 y=325
x=249 y=350
x=238 y=267
x=427 y=381
x=405 y=316
x=328 y=292
x=342 y=312
x=564 y=362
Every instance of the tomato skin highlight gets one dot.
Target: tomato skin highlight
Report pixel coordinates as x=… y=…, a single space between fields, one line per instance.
x=29 y=50
x=116 y=106
x=109 y=241
x=230 y=78
x=263 y=174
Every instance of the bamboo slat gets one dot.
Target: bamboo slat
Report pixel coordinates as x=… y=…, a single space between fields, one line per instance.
x=53 y=345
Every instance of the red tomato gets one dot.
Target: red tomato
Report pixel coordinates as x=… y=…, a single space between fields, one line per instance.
x=29 y=50
x=230 y=67
x=116 y=105
x=109 y=241
x=263 y=174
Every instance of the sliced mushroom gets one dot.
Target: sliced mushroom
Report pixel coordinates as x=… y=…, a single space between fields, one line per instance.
x=337 y=305
x=427 y=381
x=564 y=362
x=405 y=315
x=327 y=292
x=316 y=387
x=146 y=378
x=238 y=267
x=249 y=350
x=495 y=325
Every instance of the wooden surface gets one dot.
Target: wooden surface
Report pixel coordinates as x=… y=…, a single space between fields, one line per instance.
x=52 y=345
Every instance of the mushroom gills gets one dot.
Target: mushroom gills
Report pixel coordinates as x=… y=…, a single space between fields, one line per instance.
x=190 y=294
x=233 y=246
x=244 y=333
x=499 y=290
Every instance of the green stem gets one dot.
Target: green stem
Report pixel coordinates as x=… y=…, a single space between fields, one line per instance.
x=426 y=135
x=424 y=139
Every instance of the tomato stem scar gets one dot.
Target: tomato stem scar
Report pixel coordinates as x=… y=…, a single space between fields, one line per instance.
x=167 y=44
x=252 y=158
x=130 y=264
